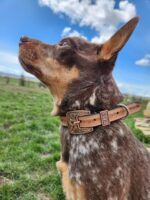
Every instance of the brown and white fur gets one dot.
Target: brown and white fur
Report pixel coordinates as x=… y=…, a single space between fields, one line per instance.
x=109 y=163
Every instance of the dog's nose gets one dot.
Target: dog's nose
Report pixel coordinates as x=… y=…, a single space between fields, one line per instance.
x=23 y=40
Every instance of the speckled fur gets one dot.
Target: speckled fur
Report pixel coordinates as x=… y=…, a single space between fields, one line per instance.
x=110 y=162
x=108 y=172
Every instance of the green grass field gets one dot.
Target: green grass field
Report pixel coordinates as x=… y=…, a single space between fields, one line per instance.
x=29 y=143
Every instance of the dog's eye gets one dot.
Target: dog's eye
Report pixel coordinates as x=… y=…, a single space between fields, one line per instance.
x=63 y=43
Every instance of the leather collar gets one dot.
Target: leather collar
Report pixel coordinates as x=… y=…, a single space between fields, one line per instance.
x=81 y=121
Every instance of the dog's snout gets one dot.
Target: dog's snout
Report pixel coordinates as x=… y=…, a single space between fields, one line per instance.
x=24 y=39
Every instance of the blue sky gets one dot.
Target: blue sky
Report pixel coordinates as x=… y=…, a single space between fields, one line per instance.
x=50 y=20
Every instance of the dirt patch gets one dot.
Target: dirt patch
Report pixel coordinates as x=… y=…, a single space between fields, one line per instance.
x=43 y=196
x=4 y=180
x=143 y=124
x=45 y=155
x=7 y=125
x=15 y=88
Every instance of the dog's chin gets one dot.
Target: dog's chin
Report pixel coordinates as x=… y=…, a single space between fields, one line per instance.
x=28 y=67
x=24 y=65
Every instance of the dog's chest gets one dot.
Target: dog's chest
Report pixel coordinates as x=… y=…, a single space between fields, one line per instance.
x=93 y=151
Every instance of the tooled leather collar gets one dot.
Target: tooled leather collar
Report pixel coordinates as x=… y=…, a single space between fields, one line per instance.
x=82 y=122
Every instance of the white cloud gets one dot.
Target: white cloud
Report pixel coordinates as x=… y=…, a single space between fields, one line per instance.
x=103 y=16
x=8 y=57
x=144 y=61
x=65 y=31
x=134 y=89
x=71 y=33
x=9 y=64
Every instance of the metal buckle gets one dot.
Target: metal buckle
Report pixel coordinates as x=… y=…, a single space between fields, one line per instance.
x=74 y=122
x=104 y=118
x=126 y=108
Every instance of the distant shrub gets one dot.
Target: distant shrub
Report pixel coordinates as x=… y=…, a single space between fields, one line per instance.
x=143 y=138
x=22 y=81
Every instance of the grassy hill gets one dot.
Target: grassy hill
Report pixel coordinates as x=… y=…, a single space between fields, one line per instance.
x=29 y=143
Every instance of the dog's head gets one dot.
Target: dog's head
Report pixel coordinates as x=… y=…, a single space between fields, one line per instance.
x=76 y=71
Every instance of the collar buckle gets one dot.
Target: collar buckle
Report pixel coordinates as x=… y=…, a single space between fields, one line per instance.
x=73 y=120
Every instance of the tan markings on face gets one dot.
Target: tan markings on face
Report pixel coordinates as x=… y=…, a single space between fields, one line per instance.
x=58 y=78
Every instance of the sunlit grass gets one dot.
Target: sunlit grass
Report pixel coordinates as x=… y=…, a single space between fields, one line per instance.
x=27 y=134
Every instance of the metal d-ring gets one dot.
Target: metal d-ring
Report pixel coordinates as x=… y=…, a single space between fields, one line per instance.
x=126 y=108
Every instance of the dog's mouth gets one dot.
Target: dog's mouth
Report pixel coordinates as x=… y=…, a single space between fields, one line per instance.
x=29 y=67
x=23 y=64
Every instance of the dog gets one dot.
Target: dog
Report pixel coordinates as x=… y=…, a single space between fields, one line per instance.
x=108 y=163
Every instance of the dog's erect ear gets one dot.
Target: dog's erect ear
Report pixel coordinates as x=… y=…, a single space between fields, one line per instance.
x=118 y=40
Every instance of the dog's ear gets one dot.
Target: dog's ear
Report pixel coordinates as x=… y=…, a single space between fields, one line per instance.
x=117 y=41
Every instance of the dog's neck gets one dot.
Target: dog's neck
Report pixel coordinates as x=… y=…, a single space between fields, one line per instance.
x=92 y=96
